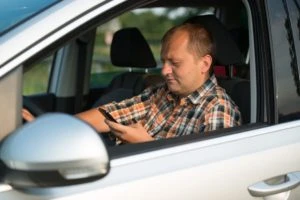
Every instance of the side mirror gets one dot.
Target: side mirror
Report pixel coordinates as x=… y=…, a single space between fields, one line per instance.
x=54 y=150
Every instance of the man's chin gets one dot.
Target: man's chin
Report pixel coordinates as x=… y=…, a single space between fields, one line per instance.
x=173 y=89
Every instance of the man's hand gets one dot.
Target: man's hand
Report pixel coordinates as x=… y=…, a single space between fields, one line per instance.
x=132 y=134
x=27 y=115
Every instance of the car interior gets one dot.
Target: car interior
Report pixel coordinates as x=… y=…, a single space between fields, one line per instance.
x=128 y=48
x=135 y=65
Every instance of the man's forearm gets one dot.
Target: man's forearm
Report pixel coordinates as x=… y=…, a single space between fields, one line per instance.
x=95 y=119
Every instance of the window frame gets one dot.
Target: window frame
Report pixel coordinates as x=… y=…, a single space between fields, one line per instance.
x=260 y=120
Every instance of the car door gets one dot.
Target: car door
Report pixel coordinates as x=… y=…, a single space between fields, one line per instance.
x=223 y=168
x=255 y=161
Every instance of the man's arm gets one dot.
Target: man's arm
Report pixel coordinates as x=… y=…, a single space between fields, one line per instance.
x=95 y=119
x=132 y=134
x=92 y=117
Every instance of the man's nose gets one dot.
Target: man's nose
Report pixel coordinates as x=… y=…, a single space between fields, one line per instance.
x=166 y=69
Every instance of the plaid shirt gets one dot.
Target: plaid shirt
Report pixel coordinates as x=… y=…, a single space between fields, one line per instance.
x=165 y=115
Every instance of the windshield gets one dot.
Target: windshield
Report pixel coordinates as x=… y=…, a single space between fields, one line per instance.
x=15 y=12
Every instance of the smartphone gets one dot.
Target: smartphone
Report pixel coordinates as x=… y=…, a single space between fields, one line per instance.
x=107 y=115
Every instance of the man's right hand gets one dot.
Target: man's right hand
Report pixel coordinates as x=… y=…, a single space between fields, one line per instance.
x=133 y=133
x=27 y=116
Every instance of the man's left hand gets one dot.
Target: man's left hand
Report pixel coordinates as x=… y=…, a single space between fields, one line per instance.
x=134 y=133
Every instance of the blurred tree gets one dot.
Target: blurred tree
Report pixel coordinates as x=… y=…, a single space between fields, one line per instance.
x=179 y=15
x=152 y=25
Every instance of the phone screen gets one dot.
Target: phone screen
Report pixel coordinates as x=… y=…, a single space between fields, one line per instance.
x=107 y=115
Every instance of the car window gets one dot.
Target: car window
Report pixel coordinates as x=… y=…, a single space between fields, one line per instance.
x=286 y=51
x=293 y=7
x=146 y=20
x=36 y=76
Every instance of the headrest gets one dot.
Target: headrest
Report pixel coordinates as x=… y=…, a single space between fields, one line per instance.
x=130 y=49
x=226 y=50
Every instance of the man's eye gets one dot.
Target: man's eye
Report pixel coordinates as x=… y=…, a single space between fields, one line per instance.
x=175 y=64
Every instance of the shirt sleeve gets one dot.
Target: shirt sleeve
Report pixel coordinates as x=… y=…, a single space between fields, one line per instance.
x=221 y=116
x=130 y=110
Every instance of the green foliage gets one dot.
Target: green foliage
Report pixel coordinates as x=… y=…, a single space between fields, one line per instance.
x=36 y=79
x=153 y=27
x=183 y=15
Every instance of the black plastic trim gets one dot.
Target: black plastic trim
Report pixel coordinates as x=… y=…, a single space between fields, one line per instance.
x=21 y=179
x=264 y=67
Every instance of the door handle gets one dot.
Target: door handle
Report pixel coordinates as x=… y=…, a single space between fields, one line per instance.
x=263 y=188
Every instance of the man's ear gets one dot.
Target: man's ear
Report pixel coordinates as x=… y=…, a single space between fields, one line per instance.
x=206 y=62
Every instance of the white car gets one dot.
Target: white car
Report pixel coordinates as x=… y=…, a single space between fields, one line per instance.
x=55 y=61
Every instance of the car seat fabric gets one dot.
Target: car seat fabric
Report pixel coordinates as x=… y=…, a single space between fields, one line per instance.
x=227 y=53
x=128 y=49
x=128 y=80
x=239 y=91
x=115 y=95
x=226 y=50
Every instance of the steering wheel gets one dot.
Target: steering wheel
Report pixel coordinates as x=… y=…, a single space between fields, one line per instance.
x=32 y=107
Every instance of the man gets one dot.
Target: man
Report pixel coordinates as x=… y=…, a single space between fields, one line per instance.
x=189 y=102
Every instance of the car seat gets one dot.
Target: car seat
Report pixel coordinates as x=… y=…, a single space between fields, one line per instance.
x=227 y=54
x=128 y=49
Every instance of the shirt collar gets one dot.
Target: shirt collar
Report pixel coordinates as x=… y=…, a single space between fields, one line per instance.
x=195 y=97
x=208 y=85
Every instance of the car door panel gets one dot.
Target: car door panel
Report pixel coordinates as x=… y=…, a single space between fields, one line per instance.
x=221 y=168
x=230 y=167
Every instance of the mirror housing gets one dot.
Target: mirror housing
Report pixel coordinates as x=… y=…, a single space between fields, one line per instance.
x=54 y=150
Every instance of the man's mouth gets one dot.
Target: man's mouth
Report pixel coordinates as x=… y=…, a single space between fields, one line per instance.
x=170 y=80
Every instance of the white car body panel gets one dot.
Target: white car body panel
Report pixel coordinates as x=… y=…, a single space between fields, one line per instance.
x=225 y=168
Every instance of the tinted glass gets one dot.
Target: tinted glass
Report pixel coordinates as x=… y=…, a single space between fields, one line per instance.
x=285 y=62
x=14 y=12
x=294 y=14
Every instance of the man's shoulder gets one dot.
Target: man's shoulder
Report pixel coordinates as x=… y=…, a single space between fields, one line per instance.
x=218 y=96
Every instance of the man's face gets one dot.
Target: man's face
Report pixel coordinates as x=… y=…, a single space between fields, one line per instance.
x=183 y=71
